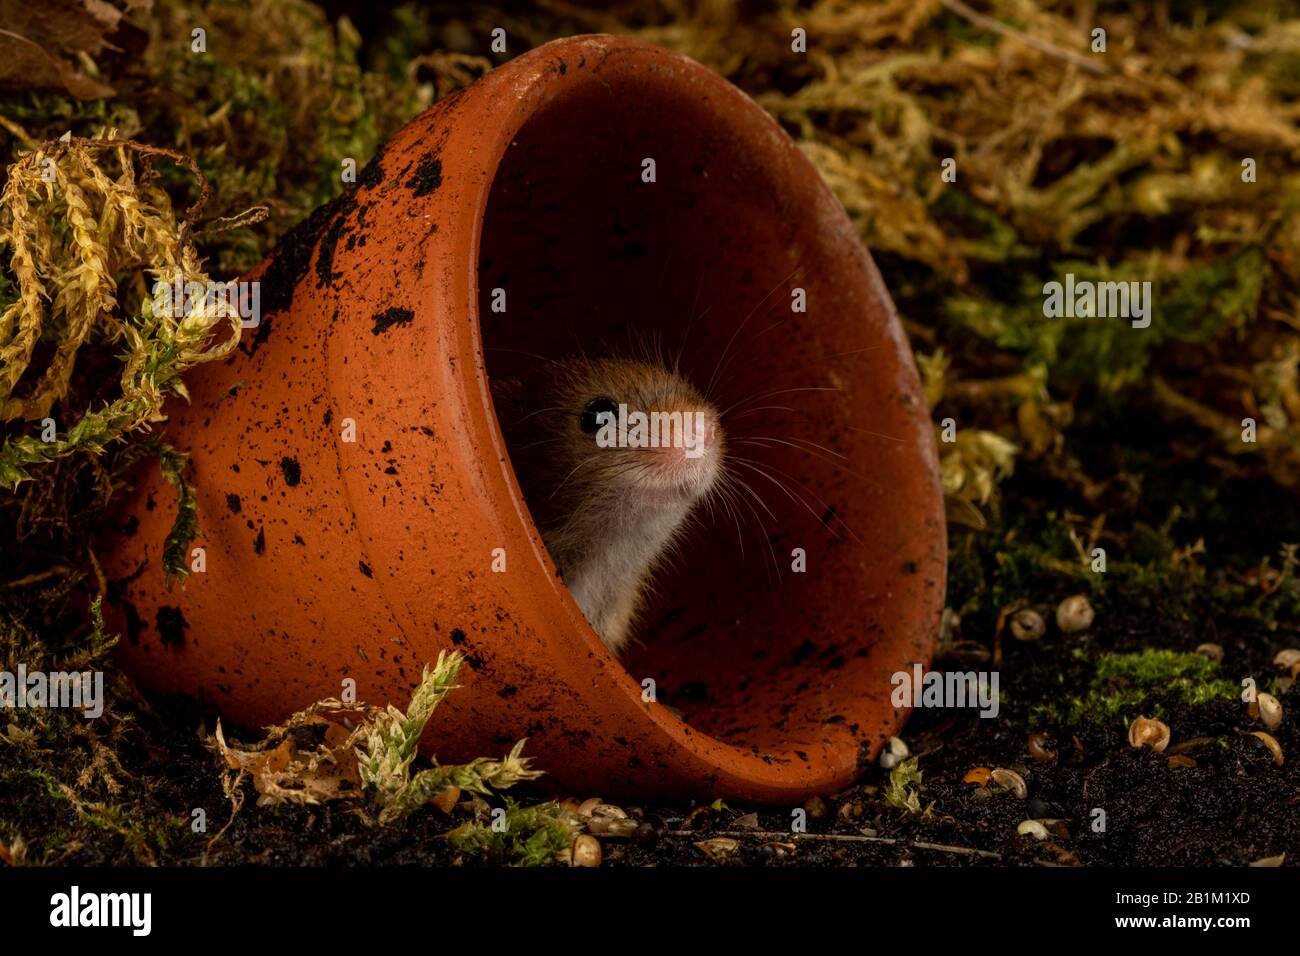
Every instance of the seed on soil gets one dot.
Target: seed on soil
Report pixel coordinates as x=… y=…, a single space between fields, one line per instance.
x=1270 y=711
x=1040 y=748
x=1181 y=760
x=748 y=822
x=1191 y=744
x=968 y=653
x=1287 y=659
x=1271 y=743
x=1032 y=828
x=608 y=820
x=1011 y=781
x=586 y=851
x=1027 y=625
x=1148 y=732
x=695 y=814
x=479 y=808
x=585 y=808
x=1074 y=614
x=816 y=808
x=1213 y=651
x=446 y=799
x=979 y=775
x=775 y=849
x=646 y=835
x=719 y=848
x=1269 y=860
x=980 y=794
x=895 y=752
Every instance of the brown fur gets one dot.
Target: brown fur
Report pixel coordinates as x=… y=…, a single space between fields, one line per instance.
x=608 y=515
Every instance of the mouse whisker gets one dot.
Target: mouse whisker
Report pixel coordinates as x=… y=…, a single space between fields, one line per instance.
x=708 y=392
x=778 y=391
x=515 y=424
x=759 y=468
x=770 y=442
x=855 y=428
x=766 y=408
x=740 y=484
x=805 y=444
x=725 y=505
x=534 y=355
x=586 y=461
x=677 y=362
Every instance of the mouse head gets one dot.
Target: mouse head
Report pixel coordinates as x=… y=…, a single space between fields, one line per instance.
x=625 y=428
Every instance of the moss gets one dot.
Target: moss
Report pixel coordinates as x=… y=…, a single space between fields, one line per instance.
x=1141 y=683
x=519 y=836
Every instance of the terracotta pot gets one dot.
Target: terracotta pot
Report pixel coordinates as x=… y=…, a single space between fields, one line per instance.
x=329 y=559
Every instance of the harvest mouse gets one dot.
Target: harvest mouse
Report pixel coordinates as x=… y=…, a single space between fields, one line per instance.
x=610 y=473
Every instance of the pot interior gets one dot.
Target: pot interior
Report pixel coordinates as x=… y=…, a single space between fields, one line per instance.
x=594 y=259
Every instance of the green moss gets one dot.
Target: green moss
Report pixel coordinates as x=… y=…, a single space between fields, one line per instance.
x=520 y=836
x=1141 y=683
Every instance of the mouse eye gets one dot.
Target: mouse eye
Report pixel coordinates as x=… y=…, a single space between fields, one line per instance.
x=597 y=406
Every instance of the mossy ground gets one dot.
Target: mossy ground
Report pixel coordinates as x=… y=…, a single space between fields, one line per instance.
x=1075 y=434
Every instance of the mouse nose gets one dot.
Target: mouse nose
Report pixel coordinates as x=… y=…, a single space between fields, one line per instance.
x=705 y=433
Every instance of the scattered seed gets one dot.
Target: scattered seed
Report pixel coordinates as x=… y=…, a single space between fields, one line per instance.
x=1191 y=744
x=980 y=776
x=585 y=808
x=1040 y=748
x=1027 y=625
x=1287 y=659
x=1011 y=781
x=1074 y=614
x=968 y=653
x=1213 y=651
x=446 y=799
x=1056 y=828
x=586 y=851
x=748 y=822
x=608 y=820
x=694 y=815
x=849 y=810
x=895 y=752
x=816 y=808
x=981 y=793
x=1181 y=760
x=1271 y=743
x=719 y=848
x=1269 y=860
x=1270 y=711
x=1148 y=732
x=1032 y=828
x=776 y=849
x=479 y=808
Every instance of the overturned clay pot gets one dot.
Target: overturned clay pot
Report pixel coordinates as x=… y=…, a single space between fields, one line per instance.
x=358 y=506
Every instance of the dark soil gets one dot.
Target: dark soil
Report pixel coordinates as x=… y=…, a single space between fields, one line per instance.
x=1233 y=807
